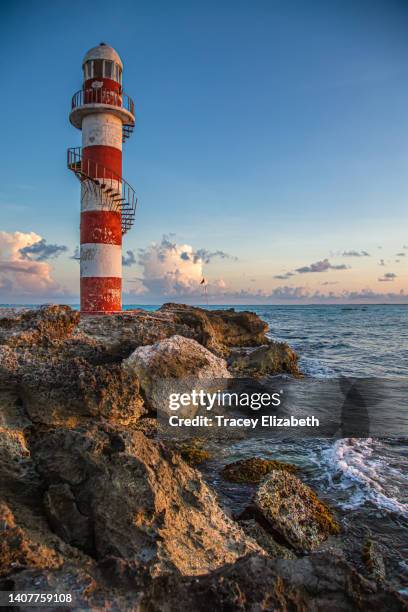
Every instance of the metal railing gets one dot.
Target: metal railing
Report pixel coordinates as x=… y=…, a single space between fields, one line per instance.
x=116 y=190
x=102 y=95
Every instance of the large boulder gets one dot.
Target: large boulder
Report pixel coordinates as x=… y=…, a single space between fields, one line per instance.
x=71 y=392
x=274 y=358
x=219 y=330
x=174 y=361
x=143 y=502
x=62 y=378
x=291 y=509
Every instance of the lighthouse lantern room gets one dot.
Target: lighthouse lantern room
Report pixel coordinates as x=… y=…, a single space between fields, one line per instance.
x=106 y=116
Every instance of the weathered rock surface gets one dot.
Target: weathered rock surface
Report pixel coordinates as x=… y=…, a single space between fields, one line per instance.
x=265 y=540
x=318 y=582
x=134 y=500
x=65 y=518
x=60 y=379
x=72 y=391
x=17 y=471
x=120 y=334
x=19 y=548
x=219 y=330
x=274 y=358
x=80 y=580
x=293 y=510
x=39 y=326
x=176 y=358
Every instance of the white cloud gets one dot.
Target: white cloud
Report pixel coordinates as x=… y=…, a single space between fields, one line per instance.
x=354 y=253
x=167 y=270
x=18 y=274
x=388 y=277
x=320 y=266
x=174 y=270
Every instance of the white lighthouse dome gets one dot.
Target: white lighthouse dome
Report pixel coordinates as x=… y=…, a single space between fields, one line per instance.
x=103 y=51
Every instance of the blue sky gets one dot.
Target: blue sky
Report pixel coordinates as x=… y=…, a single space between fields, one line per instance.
x=270 y=136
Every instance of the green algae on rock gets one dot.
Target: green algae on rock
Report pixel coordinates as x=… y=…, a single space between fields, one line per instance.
x=193 y=452
x=254 y=469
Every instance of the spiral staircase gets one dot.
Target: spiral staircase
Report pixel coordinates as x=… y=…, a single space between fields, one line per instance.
x=112 y=189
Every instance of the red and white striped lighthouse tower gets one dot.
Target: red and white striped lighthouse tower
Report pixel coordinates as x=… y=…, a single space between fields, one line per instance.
x=106 y=117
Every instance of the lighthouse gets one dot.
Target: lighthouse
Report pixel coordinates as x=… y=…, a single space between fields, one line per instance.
x=106 y=117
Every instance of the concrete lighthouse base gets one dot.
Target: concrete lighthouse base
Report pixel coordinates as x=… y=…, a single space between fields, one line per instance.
x=101 y=262
x=101 y=295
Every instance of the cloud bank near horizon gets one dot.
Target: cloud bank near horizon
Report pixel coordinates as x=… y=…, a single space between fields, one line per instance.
x=172 y=271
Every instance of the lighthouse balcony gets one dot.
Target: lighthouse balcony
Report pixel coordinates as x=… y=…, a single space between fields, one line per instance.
x=101 y=99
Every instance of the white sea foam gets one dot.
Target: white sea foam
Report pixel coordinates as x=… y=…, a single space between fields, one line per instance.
x=364 y=474
x=356 y=470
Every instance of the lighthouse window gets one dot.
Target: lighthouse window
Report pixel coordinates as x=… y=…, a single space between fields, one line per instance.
x=118 y=73
x=98 y=69
x=108 y=69
x=88 y=70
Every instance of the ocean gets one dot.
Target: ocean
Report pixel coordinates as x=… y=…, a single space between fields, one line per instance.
x=364 y=480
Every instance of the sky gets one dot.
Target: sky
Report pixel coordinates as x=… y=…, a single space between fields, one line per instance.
x=270 y=153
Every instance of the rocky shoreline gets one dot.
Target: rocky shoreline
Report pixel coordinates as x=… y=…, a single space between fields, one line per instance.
x=92 y=504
